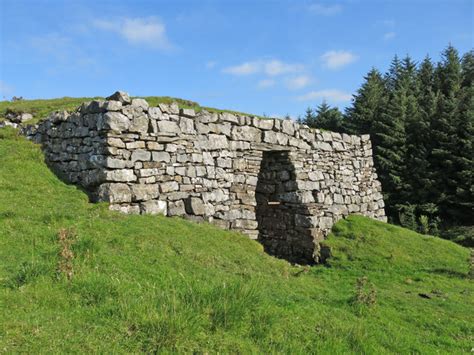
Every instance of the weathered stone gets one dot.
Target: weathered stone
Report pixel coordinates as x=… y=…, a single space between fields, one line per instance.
x=169 y=186
x=139 y=124
x=246 y=133
x=176 y=208
x=168 y=127
x=121 y=96
x=154 y=112
x=265 y=124
x=187 y=112
x=217 y=142
x=114 y=121
x=124 y=175
x=288 y=127
x=142 y=192
x=161 y=156
x=140 y=155
x=113 y=105
x=154 y=207
x=195 y=206
x=140 y=103
x=114 y=193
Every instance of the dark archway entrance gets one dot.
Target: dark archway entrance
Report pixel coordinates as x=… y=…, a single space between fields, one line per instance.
x=282 y=218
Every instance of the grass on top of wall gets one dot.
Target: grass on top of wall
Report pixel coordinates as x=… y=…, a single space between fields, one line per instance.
x=148 y=283
x=40 y=109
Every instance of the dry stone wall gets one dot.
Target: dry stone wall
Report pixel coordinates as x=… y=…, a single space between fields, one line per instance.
x=274 y=180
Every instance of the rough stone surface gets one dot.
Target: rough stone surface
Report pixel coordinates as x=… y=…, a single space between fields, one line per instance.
x=121 y=96
x=274 y=180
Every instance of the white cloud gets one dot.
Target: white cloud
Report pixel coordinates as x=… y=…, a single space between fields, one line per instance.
x=325 y=10
x=243 y=69
x=5 y=89
x=266 y=83
x=331 y=95
x=298 y=82
x=148 y=31
x=211 y=64
x=276 y=67
x=389 y=35
x=269 y=67
x=338 y=59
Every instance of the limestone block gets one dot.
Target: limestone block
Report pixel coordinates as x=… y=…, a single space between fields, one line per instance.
x=154 y=113
x=270 y=137
x=244 y=224
x=112 y=105
x=195 y=206
x=246 y=133
x=127 y=209
x=122 y=175
x=228 y=117
x=186 y=125
x=161 y=156
x=114 y=121
x=169 y=186
x=264 y=124
x=115 y=163
x=141 y=155
x=142 y=192
x=322 y=146
x=135 y=145
x=288 y=127
x=217 y=142
x=176 y=208
x=139 y=124
x=114 y=193
x=140 y=103
x=121 y=96
x=154 y=207
x=187 y=112
x=168 y=127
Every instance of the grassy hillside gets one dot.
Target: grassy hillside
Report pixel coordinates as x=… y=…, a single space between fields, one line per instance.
x=40 y=109
x=144 y=283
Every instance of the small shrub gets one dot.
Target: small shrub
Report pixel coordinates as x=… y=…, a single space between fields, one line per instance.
x=66 y=239
x=424 y=226
x=365 y=293
x=407 y=216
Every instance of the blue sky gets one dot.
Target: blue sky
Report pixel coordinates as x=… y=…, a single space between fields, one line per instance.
x=262 y=57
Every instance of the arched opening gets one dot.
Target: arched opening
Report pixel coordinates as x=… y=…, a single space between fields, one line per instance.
x=282 y=218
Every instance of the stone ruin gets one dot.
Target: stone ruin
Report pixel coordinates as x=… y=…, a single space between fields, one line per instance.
x=274 y=180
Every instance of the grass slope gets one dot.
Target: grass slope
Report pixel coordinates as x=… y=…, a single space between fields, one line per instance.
x=144 y=283
x=40 y=109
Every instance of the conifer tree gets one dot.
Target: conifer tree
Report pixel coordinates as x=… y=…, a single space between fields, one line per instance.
x=389 y=137
x=418 y=174
x=443 y=129
x=463 y=200
x=329 y=118
x=367 y=104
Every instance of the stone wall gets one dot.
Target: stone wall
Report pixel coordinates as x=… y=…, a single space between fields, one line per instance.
x=272 y=179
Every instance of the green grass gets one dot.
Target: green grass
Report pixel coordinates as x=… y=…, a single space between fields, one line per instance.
x=40 y=109
x=144 y=283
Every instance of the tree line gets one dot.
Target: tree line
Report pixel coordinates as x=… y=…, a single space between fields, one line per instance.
x=420 y=117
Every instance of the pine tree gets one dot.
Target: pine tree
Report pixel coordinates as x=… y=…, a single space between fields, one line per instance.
x=329 y=118
x=309 y=118
x=389 y=137
x=443 y=129
x=367 y=104
x=419 y=138
x=463 y=200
